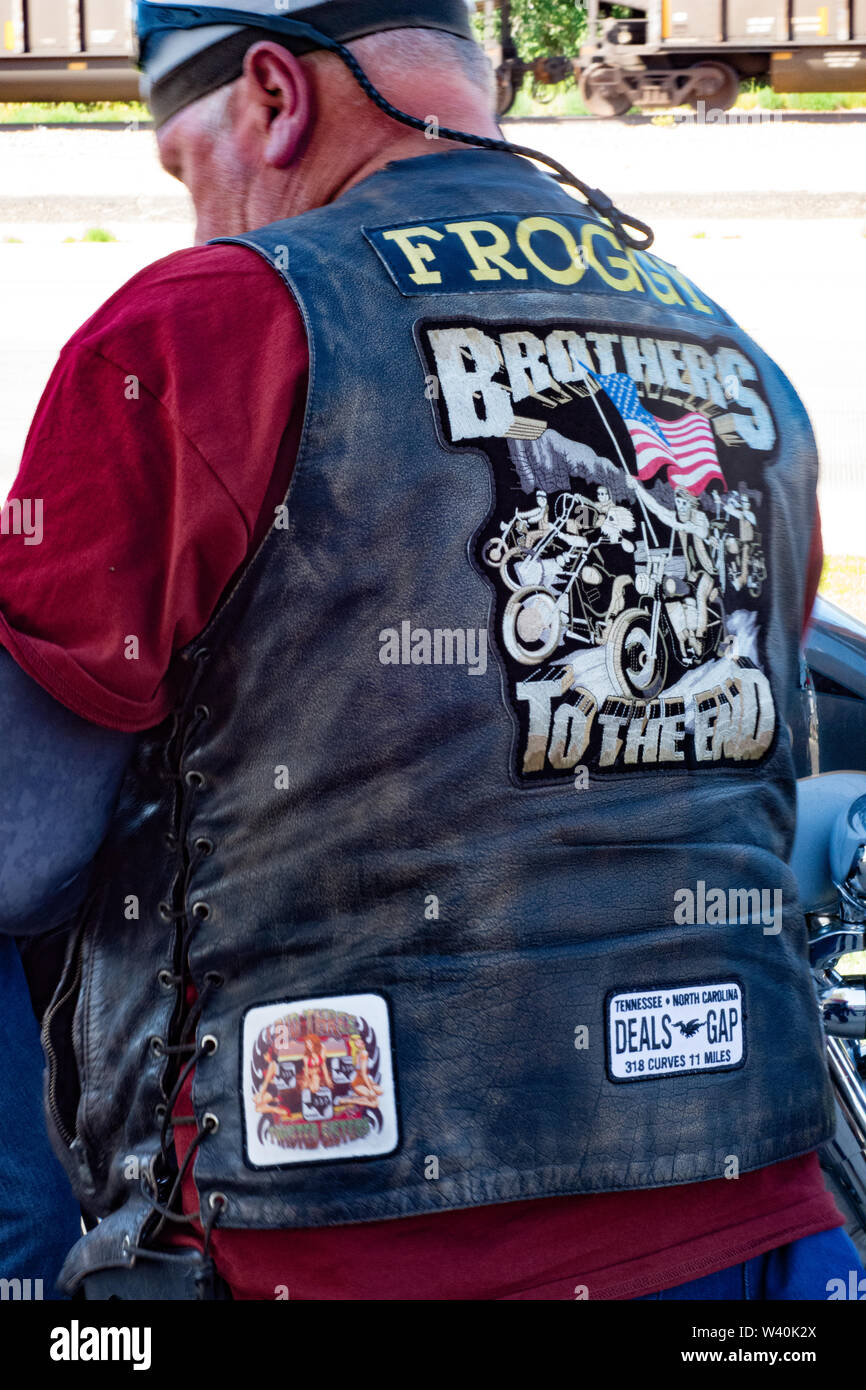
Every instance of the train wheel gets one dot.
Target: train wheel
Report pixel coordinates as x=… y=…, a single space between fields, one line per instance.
x=603 y=91
x=716 y=85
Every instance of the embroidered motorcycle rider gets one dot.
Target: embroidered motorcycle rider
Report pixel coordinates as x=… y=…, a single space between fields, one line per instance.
x=614 y=520
x=584 y=516
x=531 y=525
x=742 y=549
x=690 y=526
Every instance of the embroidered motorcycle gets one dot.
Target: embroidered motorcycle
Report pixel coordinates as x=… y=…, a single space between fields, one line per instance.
x=567 y=583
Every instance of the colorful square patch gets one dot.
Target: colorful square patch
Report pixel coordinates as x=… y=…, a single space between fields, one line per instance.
x=318 y=1081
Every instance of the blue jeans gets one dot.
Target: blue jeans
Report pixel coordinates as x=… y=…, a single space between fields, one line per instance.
x=39 y=1217
x=804 y=1269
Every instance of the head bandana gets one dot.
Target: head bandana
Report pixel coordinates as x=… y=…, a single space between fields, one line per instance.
x=185 y=51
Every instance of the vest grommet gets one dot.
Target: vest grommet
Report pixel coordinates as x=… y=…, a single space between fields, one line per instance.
x=201 y=910
x=193 y=778
x=166 y=979
x=203 y=844
x=164 y=910
x=202 y=711
x=217 y=1199
x=215 y=979
x=159 y=1111
x=157 y=1047
x=210 y=1042
x=210 y=1122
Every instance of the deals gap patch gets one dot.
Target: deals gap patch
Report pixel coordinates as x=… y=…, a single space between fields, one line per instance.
x=675 y=1031
x=626 y=545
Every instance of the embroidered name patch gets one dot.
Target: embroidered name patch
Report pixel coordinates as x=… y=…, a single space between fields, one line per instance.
x=318 y=1081
x=508 y=251
x=675 y=1031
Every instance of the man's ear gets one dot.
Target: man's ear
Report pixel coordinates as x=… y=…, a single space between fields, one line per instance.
x=278 y=85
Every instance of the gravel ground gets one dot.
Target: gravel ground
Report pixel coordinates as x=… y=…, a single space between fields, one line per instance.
x=777 y=157
x=765 y=170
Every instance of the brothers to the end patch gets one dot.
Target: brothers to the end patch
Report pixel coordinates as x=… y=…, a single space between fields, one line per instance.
x=626 y=541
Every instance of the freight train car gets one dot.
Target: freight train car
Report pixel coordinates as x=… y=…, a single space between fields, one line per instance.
x=58 y=50
x=667 y=52
x=663 y=53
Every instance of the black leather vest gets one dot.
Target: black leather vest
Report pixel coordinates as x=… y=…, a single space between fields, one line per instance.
x=470 y=829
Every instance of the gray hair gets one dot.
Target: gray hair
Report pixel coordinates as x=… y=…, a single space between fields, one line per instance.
x=394 y=51
x=388 y=54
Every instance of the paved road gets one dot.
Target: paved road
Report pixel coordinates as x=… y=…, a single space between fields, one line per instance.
x=770 y=220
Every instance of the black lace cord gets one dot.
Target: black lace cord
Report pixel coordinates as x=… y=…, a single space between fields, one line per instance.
x=183 y=815
x=165 y=1209
x=217 y=1206
x=200 y=1050
x=597 y=199
x=173 y=773
x=197 y=1053
x=176 y=744
x=216 y=1210
x=181 y=735
x=177 y=1185
x=180 y=914
x=177 y=1049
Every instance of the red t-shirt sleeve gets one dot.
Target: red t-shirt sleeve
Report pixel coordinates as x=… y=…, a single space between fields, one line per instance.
x=161 y=445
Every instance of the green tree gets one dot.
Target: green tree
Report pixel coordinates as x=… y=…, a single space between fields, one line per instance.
x=544 y=26
x=547 y=26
